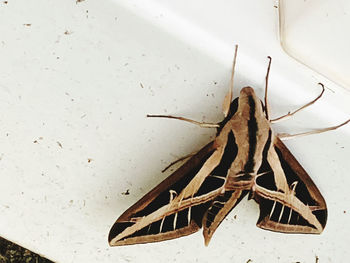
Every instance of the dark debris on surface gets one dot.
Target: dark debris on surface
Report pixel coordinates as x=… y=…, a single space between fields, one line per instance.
x=12 y=253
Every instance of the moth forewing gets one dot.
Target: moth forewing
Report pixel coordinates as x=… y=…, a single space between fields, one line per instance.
x=157 y=198
x=245 y=157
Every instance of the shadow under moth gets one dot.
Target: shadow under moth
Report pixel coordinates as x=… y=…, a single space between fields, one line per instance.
x=245 y=158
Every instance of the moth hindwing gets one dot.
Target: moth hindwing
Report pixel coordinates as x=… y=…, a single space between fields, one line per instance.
x=246 y=157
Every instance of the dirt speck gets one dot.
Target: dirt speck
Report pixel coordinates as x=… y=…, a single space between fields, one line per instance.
x=59 y=144
x=37 y=140
x=126 y=192
x=90 y=160
x=27 y=24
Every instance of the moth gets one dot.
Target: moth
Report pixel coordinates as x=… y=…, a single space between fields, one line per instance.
x=245 y=158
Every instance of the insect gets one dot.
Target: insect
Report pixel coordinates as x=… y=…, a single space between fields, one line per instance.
x=245 y=158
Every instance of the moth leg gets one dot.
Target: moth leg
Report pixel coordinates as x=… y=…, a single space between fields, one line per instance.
x=178 y=160
x=201 y=124
x=290 y=114
x=286 y=136
x=228 y=98
x=267 y=106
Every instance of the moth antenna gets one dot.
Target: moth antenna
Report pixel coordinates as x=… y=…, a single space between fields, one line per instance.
x=201 y=124
x=228 y=98
x=290 y=114
x=266 y=85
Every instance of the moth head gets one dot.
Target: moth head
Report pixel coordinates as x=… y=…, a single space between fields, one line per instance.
x=247 y=91
x=249 y=102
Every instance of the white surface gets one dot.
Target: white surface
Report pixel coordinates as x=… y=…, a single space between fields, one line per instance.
x=83 y=90
x=315 y=32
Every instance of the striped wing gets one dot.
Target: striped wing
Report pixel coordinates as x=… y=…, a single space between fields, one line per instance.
x=191 y=197
x=289 y=200
x=218 y=210
x=149 y=220
x=225 y=202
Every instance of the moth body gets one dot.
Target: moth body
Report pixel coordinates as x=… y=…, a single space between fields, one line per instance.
x=246 y=157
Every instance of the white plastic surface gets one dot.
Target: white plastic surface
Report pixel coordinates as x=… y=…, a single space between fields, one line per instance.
x=316 y=32
x=74 y=136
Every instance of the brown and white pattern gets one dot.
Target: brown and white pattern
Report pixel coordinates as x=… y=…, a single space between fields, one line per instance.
x=246 y=157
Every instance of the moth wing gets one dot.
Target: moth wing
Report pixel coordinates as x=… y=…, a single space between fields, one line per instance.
x=151 y=220
x=223 y=203
x=289 y=200
x=218 y=210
